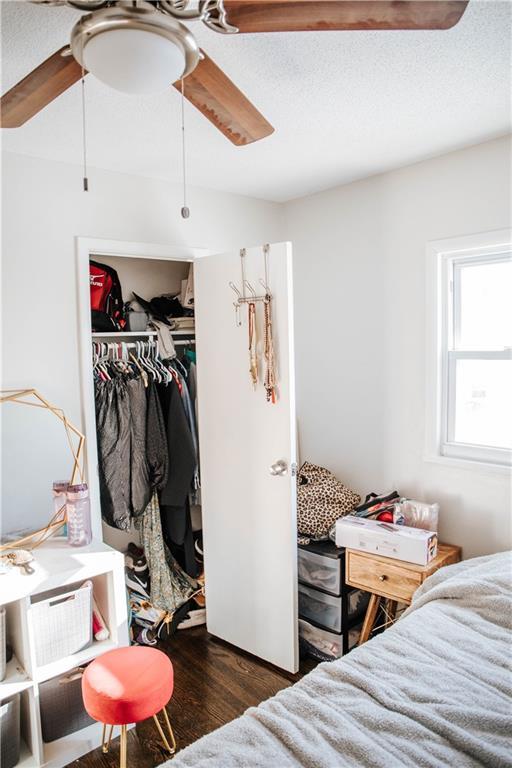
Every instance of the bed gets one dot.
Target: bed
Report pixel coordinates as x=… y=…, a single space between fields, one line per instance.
x=433 y=690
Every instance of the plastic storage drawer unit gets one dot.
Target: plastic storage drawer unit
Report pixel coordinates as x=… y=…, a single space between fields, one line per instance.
x=326 y=610
x=320 y=571
x=328 y=644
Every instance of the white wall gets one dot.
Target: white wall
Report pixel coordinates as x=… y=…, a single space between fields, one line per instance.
x=44 y=208
x=359 y=255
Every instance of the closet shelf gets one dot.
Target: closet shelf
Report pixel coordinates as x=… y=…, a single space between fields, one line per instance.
x=122 y=334
x=15 y=680
x=27 y=759
x=67 y=663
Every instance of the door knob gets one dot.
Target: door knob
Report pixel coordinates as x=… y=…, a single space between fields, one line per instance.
x=279 y=468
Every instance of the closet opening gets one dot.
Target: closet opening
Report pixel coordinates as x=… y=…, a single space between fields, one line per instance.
x=143 y=382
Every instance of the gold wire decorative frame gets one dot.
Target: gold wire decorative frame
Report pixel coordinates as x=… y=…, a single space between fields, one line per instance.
x=58 y=520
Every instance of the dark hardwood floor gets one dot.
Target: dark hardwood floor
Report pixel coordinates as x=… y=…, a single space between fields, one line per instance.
x=213 y=683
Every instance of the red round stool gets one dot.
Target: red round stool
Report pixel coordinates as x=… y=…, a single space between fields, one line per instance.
x=128 y=685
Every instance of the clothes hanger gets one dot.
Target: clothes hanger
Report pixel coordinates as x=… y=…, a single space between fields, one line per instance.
x=136 y=360
x=152 y=367
x=156 y=358
x=103 y=360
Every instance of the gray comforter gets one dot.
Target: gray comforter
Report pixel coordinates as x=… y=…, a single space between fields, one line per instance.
x=433 y=690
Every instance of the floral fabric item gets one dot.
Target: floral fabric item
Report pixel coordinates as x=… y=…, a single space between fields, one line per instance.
x=170 y=585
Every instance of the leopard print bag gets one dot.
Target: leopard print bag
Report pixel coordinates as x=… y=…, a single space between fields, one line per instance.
x=321 y=500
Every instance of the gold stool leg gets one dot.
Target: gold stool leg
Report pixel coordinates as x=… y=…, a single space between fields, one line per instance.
x=123 y=748
x=105 y=743
x=168 y=747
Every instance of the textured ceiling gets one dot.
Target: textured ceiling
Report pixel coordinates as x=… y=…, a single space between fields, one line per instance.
x=345 y=105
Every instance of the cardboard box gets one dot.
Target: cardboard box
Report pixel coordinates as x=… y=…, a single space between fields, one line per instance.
x=414 y=545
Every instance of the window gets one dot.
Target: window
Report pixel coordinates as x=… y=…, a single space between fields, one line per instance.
x=475 y=345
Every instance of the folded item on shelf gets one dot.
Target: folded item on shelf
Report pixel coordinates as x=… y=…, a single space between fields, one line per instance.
x=187 y=289
x=99 y=628
x=162 y=307
x=182 y=323
x=166 y=346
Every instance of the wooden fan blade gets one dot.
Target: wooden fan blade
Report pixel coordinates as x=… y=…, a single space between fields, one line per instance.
x=218 y=98
x=39 y=88
x=308 y=15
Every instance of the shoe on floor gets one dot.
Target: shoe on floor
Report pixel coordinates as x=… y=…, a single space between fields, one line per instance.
x=137 y=583
x=135 y=558
x=194 y=619
x=146 y=637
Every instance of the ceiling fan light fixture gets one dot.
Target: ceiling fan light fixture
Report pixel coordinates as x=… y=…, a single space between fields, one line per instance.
x=134 y=49
x=134 y=61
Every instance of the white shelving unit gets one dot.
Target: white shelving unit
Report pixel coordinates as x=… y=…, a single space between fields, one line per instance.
x=58 y=565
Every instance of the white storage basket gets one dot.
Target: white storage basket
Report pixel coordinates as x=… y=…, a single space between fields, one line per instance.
x=61 y=623
x=62 y=706
x=10 y=732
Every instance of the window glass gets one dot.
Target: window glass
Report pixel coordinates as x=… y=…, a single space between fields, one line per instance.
x=485 y=300
x=483 y=402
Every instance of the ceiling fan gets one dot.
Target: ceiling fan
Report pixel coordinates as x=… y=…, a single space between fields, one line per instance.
x=138 y=46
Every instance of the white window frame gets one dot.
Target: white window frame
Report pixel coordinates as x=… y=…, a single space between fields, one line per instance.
x=444 y=260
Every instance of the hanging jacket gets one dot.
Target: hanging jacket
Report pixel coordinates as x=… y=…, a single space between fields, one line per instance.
x=174 y=506
x=140 y=490
x=114 y=446
x=180 y=446
x=156 y=441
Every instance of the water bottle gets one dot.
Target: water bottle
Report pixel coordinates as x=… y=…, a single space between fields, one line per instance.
x=79 y=515
x=60 y=489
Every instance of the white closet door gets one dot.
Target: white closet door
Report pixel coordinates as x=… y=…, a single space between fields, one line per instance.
x=249 y=513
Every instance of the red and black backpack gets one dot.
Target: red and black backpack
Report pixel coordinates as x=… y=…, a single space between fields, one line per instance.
x=106 y=298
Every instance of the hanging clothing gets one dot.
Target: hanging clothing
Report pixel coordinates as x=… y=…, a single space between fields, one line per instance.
x=182 y=380
x=140 y=492
x=147 y=443
x=165 y=340
x=114 y=444
x=179 y=535
x=170 y=586
x=156 y=441
x=132 y=445
x=174 y=502
x=180 y=446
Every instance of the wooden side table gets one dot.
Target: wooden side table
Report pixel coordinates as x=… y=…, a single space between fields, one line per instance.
x=392 y=579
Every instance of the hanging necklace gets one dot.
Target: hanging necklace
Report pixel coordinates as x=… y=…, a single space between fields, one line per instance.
x=270 y=374
x=253 y=360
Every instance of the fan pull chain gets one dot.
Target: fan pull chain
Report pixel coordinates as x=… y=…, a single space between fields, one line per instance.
x=185 y=211
x=84 y=134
